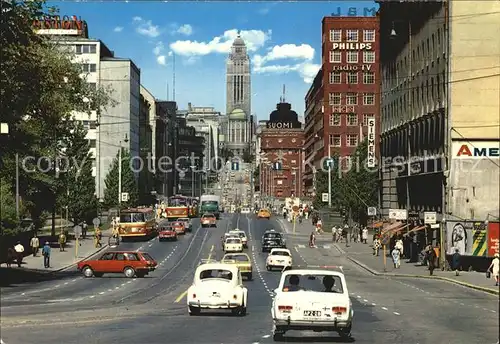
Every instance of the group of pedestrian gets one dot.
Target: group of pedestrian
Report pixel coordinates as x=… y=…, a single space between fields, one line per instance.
x=35 y=246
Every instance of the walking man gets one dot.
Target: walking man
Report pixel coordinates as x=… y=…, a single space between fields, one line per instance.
x=46 y=255
x=19 y=248
x=35 y=245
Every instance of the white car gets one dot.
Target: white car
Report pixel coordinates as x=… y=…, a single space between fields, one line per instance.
x=242 y=235
x=217 y=286
x=279 y=258
x=312 y=300
x=245 y=210
x=233 y=244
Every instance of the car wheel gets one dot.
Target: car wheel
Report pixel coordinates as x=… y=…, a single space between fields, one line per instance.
x=345 y=333
x=268 y=268
x=129 y=272
x=249 y=276
x=242 y=311
x=278 y=336
x=194 y=311
x=88 y=272
x=140 y=274
x=160 y=239
x=98 y=274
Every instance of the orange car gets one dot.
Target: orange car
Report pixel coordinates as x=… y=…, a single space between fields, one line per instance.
x=208 y=220
x=130 y=263
x=264 y=214
x=179 y=226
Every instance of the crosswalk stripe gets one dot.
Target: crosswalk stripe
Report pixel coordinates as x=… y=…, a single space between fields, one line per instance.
x=326 y=247
x=301 y=246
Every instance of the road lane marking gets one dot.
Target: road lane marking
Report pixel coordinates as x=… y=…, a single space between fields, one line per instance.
x=396 y=313
x=180 y=297
x=266 y=336
x=384 y=308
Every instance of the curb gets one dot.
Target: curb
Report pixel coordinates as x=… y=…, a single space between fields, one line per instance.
x=81 y=259
x=440 y=278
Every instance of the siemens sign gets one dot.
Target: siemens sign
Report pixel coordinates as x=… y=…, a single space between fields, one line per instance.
x=476 y=150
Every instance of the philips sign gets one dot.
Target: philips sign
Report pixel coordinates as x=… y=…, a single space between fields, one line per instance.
x=476 y=150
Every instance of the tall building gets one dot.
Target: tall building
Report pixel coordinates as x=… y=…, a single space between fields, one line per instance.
x=147 y=192
x=281 y=155
x=238 y=99
x=440 y=116
x=113 y=126
x=345 y=95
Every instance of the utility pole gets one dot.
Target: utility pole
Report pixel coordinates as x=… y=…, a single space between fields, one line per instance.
x=192 y=180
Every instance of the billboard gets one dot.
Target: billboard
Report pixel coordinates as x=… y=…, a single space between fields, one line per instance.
x=493 y=236
x=471 y=238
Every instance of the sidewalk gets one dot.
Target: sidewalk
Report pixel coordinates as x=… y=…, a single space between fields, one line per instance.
x=362 y=255
x=304 y=228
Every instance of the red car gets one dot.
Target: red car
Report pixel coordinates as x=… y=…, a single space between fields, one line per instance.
x=179 y=227
x=130 y=263
x=208 y=220
x=167 y=233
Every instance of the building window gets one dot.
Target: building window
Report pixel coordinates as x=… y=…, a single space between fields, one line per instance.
x=351 y=99
x=335 y=140
x=347 y=161
x=352 y=140
x=92 y=86
x=85 y=49
x=368 y=56
x=368 y=78
x=88 y=68
x=352 y=35
x=368 y=99
x=335 y=35
x=335 y=120
x=294 y=162
x=352 y=77
x=369 y=35
x=366 y=117
x=92 y=143
x=335 y=56
x=352 y=119
x=335 y=77
x=334 y=98
x=352 y=56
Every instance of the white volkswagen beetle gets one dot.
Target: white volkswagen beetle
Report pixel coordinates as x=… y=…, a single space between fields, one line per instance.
x=279 y=258
x=233 y=244
x=315 y=300
x=217 y=286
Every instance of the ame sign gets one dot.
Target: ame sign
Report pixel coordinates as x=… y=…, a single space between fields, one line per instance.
x=476 y=150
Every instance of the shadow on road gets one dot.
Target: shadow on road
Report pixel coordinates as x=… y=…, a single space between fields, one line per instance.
x=325 y=339
x=11 y=277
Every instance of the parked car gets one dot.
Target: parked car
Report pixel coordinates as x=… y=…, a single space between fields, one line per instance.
x=312 y=300
x=217 y=286
x=130 y=263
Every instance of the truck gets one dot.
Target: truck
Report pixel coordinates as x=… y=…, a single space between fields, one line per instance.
x=210 y=204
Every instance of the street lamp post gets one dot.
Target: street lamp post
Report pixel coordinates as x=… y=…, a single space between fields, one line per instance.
x=192 y=180
x=120 y=172
x=330 y=162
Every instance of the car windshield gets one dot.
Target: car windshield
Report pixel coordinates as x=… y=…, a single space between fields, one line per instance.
x=242 y=235
x=132 y=217
x=176 y=202
x=280 y=253
x=272 y=236
x=216 y=273
x=210 y=203
x=166 y=228
x=208 y=215
x=233 y=241
x=314 y=283
x=237 y=257
x=184 y=219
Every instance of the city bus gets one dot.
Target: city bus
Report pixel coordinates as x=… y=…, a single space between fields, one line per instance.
x=177 y=207
x=137 y=222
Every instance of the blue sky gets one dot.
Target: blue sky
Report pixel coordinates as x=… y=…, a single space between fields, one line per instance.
x=284 y=40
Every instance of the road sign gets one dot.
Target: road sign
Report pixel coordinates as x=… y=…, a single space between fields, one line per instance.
x=78 y=231
x=277 y=166
x=430 y=217
x=96 y=221
x=328 y=163
x=324 y=197
x=372 y=211
x=398 y=214
x=124 y=196
x=235 y=166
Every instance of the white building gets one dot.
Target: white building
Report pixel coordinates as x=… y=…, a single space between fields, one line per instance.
x=101 y=69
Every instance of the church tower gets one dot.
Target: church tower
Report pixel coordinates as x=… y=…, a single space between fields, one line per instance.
x=238 y=98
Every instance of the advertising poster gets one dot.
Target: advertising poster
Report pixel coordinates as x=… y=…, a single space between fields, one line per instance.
x=470 y=238
x=493 y=236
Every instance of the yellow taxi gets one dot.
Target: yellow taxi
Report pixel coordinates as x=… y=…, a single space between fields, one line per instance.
x=264 y=214
x=242 y=261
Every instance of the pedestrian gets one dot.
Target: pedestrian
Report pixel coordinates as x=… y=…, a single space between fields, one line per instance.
x=19 y=248
x=339 y=234
x=62 y=241
x=46 y=255
x=312 y=239
x=376 y=247
x=97 y=237
x=455 y=261
x=431 y=258
x=84 y=229
x=35 y=245
x=364 y=235
x=494 y=268
x=334 y=234
x=396 y=255
x=399 y=245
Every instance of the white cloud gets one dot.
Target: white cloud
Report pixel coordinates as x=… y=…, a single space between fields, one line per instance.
x=158 y=48
x=146 y=27
x=254 y=39
x=186 y=30
x=162 y=60
x=306 y=69
x=118 y=29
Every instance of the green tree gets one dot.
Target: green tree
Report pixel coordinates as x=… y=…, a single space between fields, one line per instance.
x=8 y=217
x=337 y=191
x=78 y=180
x=41 y=88
x=362 y=183
x=256 y=178
x=128 y=183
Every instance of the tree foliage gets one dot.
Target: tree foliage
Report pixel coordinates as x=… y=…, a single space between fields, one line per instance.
x=128 y=183
x=247 y=156
x=8 y=215
x=40 y=89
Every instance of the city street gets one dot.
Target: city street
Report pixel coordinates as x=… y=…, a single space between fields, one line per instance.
x=114 y=309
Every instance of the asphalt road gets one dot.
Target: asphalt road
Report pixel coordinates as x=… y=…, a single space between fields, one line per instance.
x=152 y=310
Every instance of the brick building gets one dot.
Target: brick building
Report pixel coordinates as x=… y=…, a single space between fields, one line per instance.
x=281 y=154
x=345 y=94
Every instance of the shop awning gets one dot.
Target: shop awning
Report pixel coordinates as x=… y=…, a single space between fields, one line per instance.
x=416 y=229
x=391 y=227
x=377 y=224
